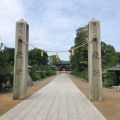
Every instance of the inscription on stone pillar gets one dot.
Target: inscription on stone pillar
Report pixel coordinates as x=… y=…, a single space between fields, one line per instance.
x=94 y=61
x=96 y=73
x=19 y=54
x=95 y=55
x=21 y=61
x=19 y=72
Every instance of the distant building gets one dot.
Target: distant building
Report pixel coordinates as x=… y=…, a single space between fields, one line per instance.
x=116 y=69
x=64 y=66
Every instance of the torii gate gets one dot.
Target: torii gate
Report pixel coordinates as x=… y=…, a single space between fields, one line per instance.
x=21 y=61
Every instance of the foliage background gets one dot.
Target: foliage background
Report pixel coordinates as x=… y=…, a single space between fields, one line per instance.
x=38 y=65
x=79 y=62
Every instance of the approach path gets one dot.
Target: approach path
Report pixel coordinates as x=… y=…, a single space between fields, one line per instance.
x=59 y=100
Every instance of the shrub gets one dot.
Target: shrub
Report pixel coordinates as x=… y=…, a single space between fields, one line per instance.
x=37 y=72
x=75 y=72
x=34 y=77
x=110 y=80
x=6 y=74
x=43 y=74
x=32 y=72
x=82 y=74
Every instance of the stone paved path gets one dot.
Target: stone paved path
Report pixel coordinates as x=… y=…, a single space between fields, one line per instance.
x=59 y=100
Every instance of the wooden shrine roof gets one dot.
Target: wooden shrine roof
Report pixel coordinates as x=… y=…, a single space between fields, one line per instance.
x=114 y=69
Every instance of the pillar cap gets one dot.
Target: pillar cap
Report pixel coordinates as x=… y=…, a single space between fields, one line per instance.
x=21 y=21
x=94 y=19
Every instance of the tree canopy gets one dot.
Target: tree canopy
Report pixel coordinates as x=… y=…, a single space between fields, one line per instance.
x=53 y=60
x=79 y=60
x=35 y=57
x=109 y=56
x=6 y=64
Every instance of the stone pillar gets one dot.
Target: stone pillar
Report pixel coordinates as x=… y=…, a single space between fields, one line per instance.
x=94 y=61
x=21 y=61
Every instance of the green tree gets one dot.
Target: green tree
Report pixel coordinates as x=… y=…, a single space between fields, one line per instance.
x=118 y=57
x=79 y=62
x=108 y=55
x=53 y=60
x=80 y=58
x=10 y=52
x=35 y=57
x=6 y=68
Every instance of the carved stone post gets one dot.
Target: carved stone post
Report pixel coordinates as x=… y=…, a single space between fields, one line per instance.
x=21 y=61
x=94 y=61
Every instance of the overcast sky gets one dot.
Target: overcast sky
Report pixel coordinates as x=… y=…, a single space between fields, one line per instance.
x=53 y=23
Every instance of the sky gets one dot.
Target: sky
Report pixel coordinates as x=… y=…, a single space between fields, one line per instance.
x=53 y=23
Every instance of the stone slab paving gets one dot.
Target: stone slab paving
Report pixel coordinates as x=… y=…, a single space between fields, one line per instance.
x=59 y=100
